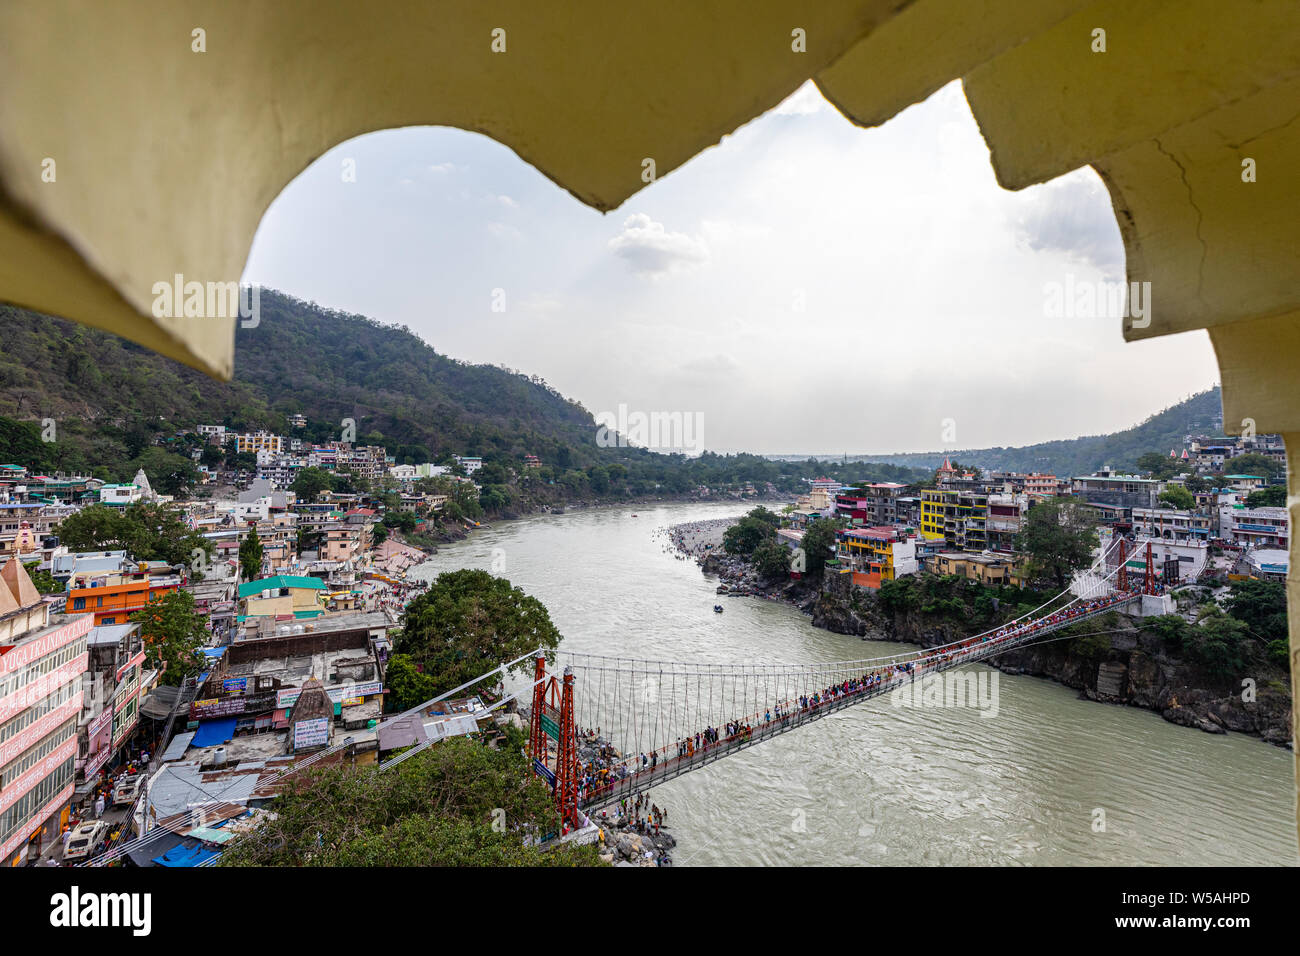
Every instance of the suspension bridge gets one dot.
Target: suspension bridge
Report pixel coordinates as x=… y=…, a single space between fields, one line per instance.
x=603 y=729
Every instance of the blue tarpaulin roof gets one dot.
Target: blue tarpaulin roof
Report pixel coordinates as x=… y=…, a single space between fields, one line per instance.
x=212 y=732
x=182 y=855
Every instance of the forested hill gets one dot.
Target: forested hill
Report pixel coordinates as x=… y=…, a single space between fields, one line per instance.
x=301 y=358
x=116 y=405
x=1202 y=414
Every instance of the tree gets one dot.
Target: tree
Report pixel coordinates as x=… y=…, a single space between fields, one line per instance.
x=1178 y=498
x=1196 y=484
x=1059 y=538
x=168 y=473
x=250 y=555
x=771 y=559
x=310 y=482
x=44 y=581
x=146 y=531
x=748 y=533
x=1261 y=606
x=1253 y=463
x=456 y=804
x=469 y=622
x=1273 y=496
x=173 y=631
x=818 y=543
x=1158 y=465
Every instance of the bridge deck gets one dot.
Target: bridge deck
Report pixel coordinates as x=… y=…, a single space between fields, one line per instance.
x=642 y=780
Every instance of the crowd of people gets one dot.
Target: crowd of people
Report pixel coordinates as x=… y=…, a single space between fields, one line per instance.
x=601 y=774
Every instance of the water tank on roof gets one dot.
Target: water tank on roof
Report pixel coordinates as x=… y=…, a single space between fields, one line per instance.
x=50 y=541
x=219 y=757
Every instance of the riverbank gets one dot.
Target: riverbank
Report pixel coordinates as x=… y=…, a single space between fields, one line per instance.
x=1127 y=665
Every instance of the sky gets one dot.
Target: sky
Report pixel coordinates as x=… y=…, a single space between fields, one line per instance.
x=805 y=286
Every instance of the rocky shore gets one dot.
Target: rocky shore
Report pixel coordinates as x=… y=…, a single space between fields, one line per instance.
x=1132 y=668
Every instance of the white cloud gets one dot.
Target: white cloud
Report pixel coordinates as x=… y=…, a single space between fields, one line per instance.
x=1072 y=214
x=651 y=250
x=804 y=101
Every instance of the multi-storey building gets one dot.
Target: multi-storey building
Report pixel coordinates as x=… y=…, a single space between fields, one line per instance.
x=875 y=555
x=1255 y=527
x=1171 y=524
x=958 y=516
x=42 y=665
x=1042 y=486
x=1122 y=491
x=259 y=441
x=1006 y=516
x=114 y=684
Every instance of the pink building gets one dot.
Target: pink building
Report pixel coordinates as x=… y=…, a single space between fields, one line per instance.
x=42 y=666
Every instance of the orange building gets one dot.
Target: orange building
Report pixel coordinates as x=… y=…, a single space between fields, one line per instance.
x=115 y=599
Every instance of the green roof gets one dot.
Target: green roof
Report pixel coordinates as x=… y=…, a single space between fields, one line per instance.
x=280 y=581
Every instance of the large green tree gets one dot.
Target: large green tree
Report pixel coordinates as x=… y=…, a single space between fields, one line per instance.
x=1059 y=537
x=458 y=803
x=146 y=531
x=1178 y=497
x=818 y=545
x=771 y=559
x=250 y=555
x=173 y=631
x=469 y=622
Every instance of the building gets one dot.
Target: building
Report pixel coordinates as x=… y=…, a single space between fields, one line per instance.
x=1171 y=524
x=283 y=596
x=1042 y=486
x=470 y=465
x=989 y=568
x=1006 y=516
x=876 y=555
x=113 y=595
x=120 y=495
x=958 y=516
x=1122 y=491
x=42 y=665
x=1255 y=527
x=115 y=682
x=259 y=441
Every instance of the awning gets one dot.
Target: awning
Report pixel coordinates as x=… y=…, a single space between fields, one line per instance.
x=160 y=702
x=213 y=732
x=176 y=749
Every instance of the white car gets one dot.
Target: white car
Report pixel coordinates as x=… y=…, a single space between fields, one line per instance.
x=84 y=839
x=125 y=790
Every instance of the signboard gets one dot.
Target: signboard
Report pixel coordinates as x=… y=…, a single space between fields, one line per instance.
x=232 y=706
x=550 y=727
x=311 y=733
x=544 y=772
x=234 y=685
x=287 y=697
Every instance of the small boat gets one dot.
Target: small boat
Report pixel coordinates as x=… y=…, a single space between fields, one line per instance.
x=717 y=609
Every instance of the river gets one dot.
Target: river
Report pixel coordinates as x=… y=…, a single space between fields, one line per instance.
x=1050 y=779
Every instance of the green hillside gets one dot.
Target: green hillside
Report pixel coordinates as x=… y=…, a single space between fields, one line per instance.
x=1201 y=414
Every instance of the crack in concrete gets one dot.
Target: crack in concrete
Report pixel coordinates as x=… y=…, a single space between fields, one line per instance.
x=1200 y=218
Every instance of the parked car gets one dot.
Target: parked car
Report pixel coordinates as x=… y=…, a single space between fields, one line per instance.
x=85 y=838
x=125 y=790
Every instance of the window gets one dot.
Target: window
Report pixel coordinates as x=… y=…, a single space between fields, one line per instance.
x=79 y=604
